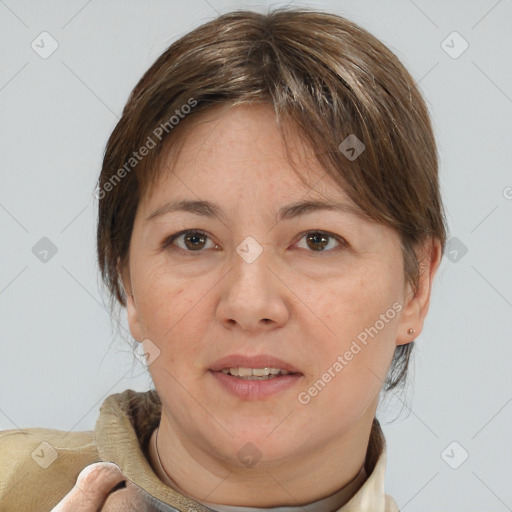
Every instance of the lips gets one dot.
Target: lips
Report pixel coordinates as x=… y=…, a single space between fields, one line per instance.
x=235 y=374
x=259 y=361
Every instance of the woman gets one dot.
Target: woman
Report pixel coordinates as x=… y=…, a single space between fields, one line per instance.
x=270 y=217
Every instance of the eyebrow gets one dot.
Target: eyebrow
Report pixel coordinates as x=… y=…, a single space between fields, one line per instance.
x=209 y=209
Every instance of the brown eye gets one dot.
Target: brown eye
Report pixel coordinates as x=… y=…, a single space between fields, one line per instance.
x=195 y=240
x=190 y=241
x=317 y=241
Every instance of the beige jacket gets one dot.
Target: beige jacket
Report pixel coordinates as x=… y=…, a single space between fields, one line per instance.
x=38 y=467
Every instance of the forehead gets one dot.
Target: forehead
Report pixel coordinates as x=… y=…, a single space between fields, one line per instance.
x=240 y=150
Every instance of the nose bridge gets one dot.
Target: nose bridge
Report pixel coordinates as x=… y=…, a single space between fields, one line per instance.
x=251 y=274
x=252 y=293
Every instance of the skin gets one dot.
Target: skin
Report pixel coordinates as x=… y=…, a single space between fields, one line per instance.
x=204 y=304
x=92 y=488
x=96 y=489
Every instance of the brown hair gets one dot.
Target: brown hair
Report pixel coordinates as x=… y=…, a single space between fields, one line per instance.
x=323 y=75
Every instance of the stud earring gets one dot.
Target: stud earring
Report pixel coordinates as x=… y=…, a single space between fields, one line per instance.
x=410 y=331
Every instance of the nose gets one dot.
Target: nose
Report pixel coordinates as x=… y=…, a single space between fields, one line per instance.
x=253 y=296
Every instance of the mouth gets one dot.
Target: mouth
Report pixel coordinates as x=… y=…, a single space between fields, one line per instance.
x=256 y=373
x=254 y=378
x=260 y=366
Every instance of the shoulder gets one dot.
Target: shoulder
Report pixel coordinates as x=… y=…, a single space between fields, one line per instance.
x=40 y=466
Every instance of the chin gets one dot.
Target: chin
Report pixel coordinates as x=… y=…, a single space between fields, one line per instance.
x=259 y=448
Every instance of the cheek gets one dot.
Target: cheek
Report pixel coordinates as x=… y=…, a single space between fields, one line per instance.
x=173 y=310
x=356 y=302
x=360 y=314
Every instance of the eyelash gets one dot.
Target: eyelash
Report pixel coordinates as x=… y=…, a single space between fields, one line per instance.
x=168 y=241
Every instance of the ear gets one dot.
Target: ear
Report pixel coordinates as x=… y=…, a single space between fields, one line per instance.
x=131 y=306
x=417 y=304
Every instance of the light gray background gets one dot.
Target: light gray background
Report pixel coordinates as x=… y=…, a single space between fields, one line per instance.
x=60 y=357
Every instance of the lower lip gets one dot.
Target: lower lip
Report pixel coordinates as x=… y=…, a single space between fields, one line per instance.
x=255 y=389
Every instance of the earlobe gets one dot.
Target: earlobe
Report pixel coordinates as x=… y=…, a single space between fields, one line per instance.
x=417 y=304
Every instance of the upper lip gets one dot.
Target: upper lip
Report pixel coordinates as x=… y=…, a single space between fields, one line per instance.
x=259 y=361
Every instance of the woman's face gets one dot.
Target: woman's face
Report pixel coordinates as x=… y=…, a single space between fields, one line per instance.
x=317 y=292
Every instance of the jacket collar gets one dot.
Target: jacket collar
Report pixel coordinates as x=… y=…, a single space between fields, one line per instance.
x=125 y=425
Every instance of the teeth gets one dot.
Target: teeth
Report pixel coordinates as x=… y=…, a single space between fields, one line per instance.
x=242 y=372
x=254 y=373
x=260 y=372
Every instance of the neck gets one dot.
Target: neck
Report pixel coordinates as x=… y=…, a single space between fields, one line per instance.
x=312 y=477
